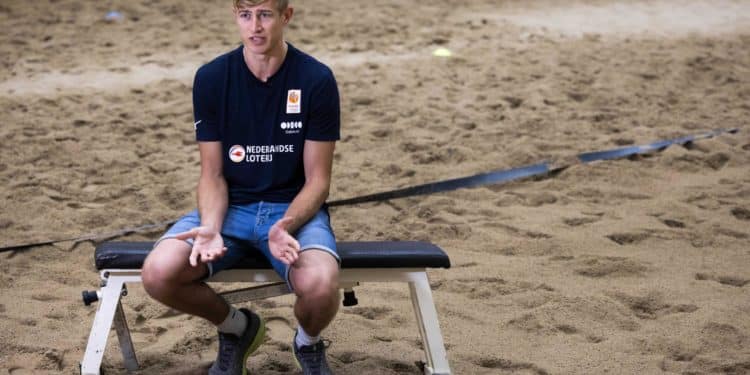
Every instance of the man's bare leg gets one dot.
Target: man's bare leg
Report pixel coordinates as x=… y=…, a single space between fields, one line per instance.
x=315 y=279
x=170 y=279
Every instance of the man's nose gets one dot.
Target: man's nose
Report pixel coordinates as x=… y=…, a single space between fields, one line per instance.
x=256 y=25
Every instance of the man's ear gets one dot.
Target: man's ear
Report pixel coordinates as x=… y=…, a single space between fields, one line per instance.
x=287 y=15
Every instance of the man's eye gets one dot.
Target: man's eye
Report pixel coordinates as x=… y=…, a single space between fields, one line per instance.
x=244 y=15
x=266 y=15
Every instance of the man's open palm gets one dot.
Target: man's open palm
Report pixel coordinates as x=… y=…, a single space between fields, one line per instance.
x=208 y=245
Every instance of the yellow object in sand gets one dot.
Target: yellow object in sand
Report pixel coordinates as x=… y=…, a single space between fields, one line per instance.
x=442 y=52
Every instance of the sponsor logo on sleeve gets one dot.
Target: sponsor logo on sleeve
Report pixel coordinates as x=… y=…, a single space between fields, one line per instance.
x=294 y=101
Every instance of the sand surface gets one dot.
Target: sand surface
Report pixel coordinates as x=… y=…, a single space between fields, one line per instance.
x=628 y=266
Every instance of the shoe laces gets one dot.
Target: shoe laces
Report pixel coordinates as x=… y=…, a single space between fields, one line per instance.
x=314 y=355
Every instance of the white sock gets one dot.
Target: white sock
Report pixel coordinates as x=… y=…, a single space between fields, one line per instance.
x=303 y=339
x=235 y=322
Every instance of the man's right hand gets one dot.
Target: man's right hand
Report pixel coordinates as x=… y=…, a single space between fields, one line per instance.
x=207 y=244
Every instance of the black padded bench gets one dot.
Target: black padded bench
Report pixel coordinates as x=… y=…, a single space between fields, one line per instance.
x=120 y=263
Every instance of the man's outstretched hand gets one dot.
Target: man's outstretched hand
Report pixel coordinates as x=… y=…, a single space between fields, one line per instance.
x=282 y=245
x=207 y=244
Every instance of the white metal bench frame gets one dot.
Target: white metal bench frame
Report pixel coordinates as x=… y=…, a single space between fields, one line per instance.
x=110 y=309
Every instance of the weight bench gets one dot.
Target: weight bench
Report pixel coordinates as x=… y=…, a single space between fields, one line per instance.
x=120 y=263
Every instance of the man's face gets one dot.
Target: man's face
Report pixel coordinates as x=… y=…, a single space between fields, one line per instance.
x=262 y=26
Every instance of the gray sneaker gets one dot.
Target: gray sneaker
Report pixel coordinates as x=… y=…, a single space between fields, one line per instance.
x=233 y=350
x=311 y=358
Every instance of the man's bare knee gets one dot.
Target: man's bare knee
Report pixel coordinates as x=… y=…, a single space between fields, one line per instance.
x=164 y=267
x=316 y=278
x=316 y=287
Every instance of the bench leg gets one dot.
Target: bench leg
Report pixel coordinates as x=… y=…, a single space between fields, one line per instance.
x=424 y=308
x=110 y=301
x=123 y=336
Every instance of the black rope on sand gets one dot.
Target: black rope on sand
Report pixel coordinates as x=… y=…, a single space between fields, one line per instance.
x=491 y=178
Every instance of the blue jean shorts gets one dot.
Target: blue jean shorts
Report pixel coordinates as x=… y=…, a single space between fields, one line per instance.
x=245 y=230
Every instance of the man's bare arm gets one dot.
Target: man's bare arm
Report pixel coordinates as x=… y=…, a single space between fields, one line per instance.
x=212 y=187
x=212 y=205
x=318 y=161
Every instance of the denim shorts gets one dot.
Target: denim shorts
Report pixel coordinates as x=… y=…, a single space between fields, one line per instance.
x=245 y=230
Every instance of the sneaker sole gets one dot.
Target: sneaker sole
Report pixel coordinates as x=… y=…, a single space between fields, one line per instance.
x=294 y=356
x=257 y=340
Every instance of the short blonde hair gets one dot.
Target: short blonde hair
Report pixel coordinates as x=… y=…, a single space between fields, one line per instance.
x=280 y=4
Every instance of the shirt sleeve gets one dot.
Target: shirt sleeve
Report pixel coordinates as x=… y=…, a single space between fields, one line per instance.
x=205 y=103
x=324 y=123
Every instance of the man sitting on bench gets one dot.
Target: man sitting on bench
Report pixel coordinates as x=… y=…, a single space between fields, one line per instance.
x=266 y=120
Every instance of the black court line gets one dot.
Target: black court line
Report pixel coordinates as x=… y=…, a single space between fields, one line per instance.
x=503 y=176
x=490 y=178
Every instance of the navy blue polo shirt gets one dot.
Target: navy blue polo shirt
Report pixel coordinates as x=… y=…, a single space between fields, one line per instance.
x=263 y=125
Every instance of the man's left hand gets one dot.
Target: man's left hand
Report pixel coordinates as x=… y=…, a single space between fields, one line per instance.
x=283 y=246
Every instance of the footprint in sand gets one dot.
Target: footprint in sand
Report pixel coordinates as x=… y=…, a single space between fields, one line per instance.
x=528 y=322
x=351 y=357
x=362 y=101
x=81 y=123
x=567 y=329
x=730 y=233
x=53 y=360
x=410 y=147
x=577 y=97
x=725 y=280
x=652 y=305
x=721 y=336
x=578 y=221
x=392 y=170
x=673 y=223
x=681 y=355
x=450 y=155
x=628 y=238
x=538 y=199
x=517 y=231
x=276 y=366
x=599 y=266
x=480 y=288
x=28 y=322
x=54 y=316
x=397 y=366
x=279 y=329
x=487 y=288
x=741 y=213
x=623 y=141
x=717 y=161
x=5 y=223
x=44 y=297
x=468 y=125
x=370 y=313
x=381 y=133
x=513 y=102
x=595 y=339
x=508 y=365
